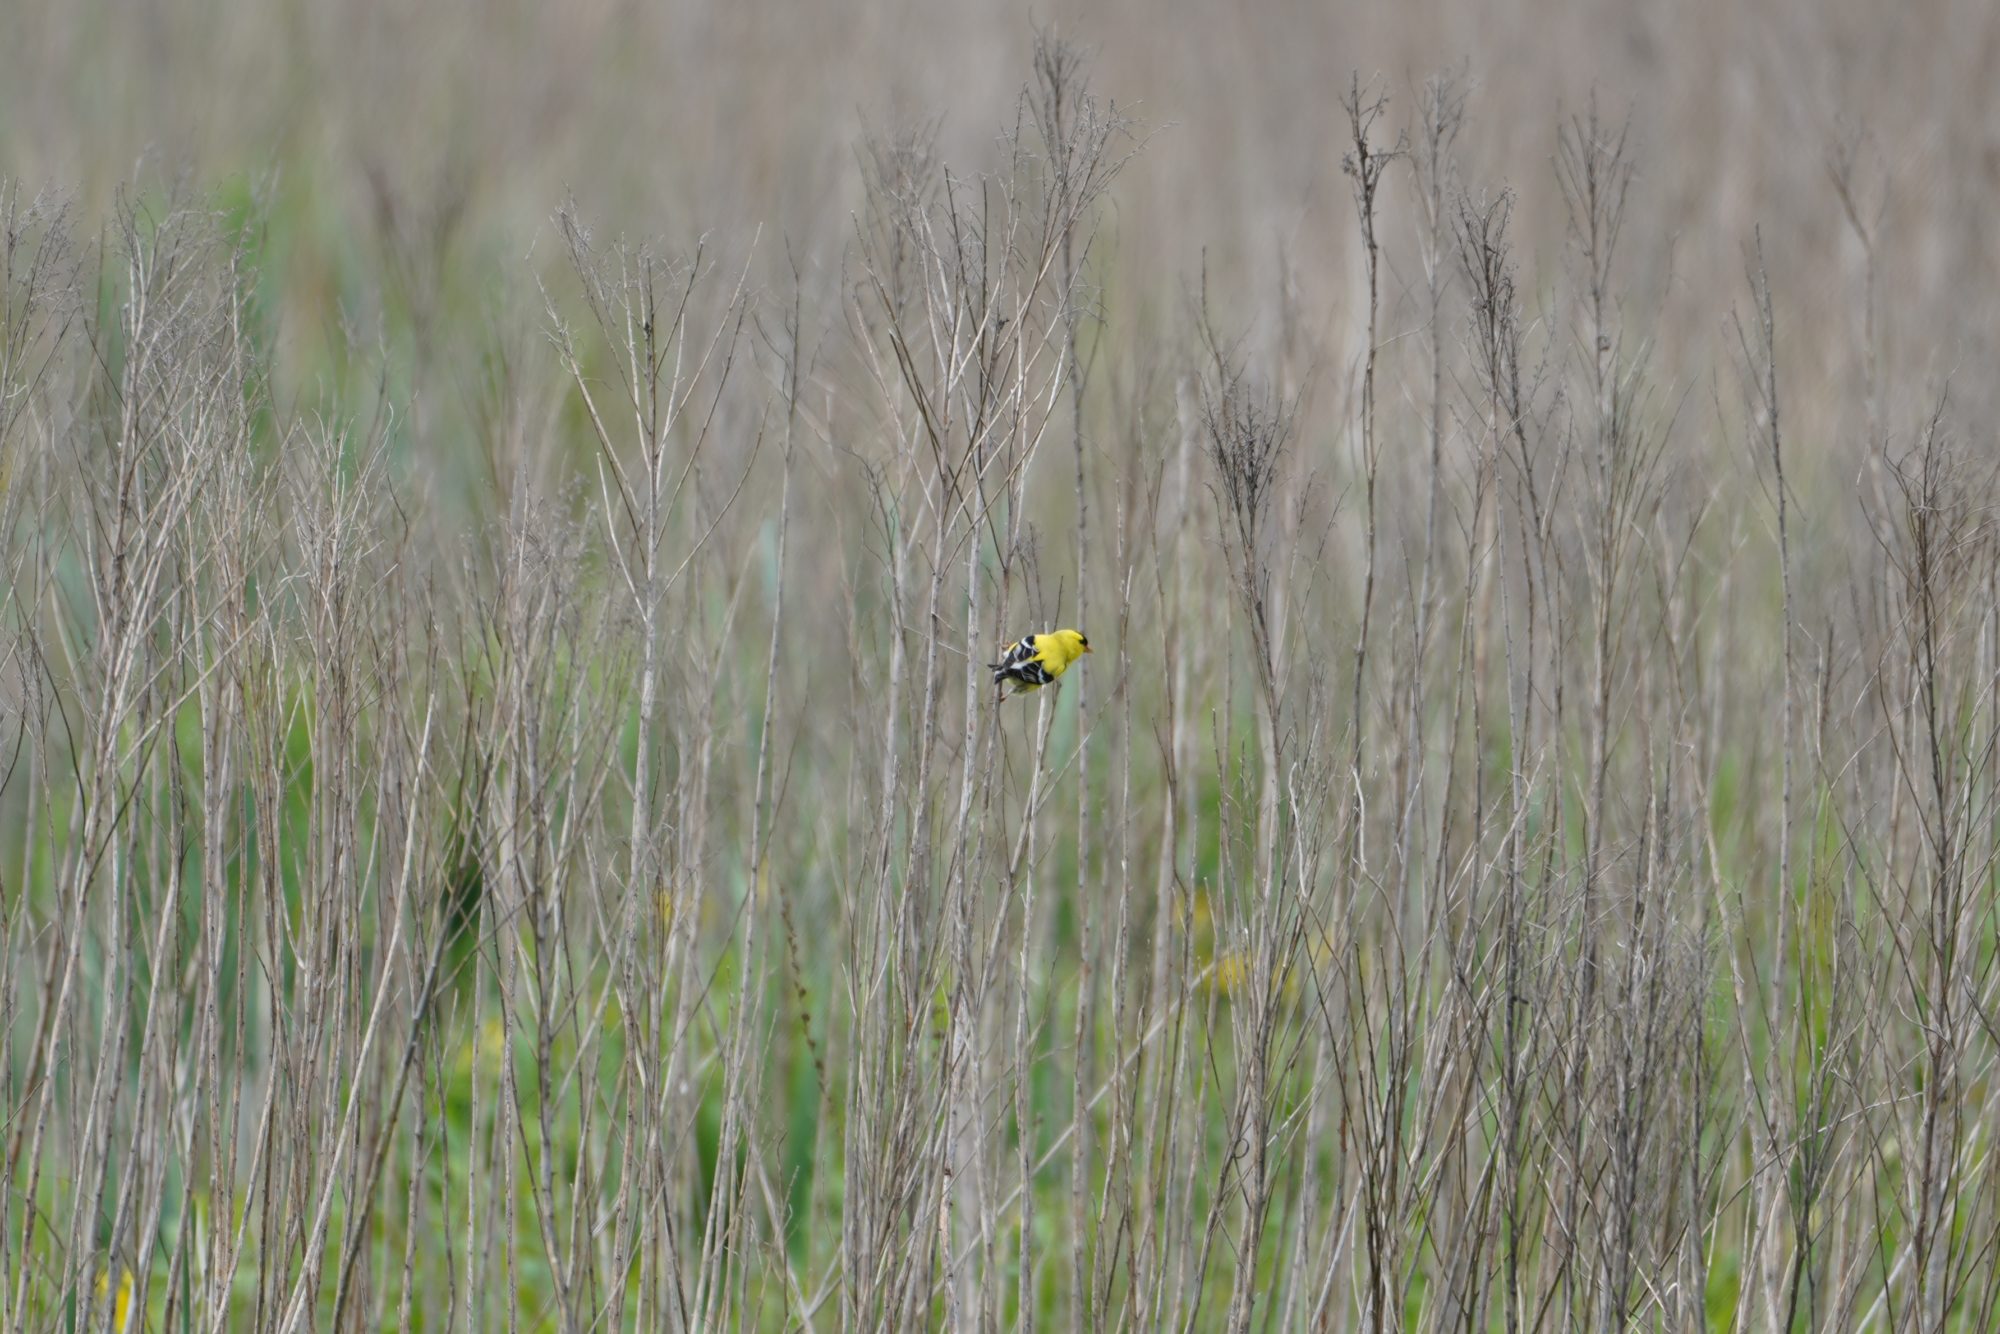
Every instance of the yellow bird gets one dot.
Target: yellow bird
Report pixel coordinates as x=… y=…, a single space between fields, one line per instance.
x=1035 y=661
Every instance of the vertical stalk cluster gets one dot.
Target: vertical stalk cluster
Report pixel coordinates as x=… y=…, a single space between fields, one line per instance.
x=1521 y=855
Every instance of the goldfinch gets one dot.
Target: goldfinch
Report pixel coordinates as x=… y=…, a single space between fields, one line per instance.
x=1036 y=660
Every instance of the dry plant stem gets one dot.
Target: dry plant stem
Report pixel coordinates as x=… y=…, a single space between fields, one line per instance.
x=1442 y=110
x=1060 y=75
x=1760 y=370
x=1365 y=164
x=1248 y=432
x=1595 y=175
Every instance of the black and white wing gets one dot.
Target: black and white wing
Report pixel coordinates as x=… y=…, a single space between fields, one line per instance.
x=1020 y=662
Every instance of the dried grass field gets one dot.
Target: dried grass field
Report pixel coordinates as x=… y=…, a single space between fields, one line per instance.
x=504 y=511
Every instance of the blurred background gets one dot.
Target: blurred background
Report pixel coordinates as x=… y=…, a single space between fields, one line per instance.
x=412 y=154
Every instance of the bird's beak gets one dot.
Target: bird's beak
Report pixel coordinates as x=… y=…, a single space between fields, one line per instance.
x=1088 y=649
